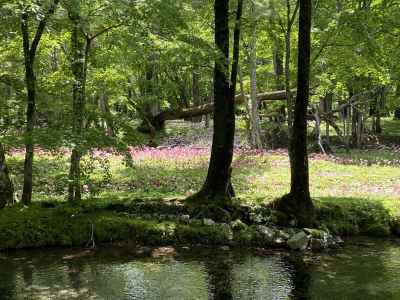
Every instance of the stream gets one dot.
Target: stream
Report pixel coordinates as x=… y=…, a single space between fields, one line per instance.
x=363 y=269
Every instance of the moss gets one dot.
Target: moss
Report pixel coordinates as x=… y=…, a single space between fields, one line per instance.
x=64 y=225
x=378 y=230
x=69 y=226
x=315 y=233
x=248 y=236
x=355 y=217
x=217 y=234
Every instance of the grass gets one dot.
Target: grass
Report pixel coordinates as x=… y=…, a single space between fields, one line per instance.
x=178 y=172
x=356 y=192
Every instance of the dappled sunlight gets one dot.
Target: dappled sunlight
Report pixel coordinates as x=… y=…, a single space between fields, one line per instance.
x=178 y=172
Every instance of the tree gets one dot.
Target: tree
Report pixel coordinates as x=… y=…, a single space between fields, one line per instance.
x=6 y=185
x=30 y=79
x=81 y=45
x=290 y=18
x=158 y=121
x=298 y=202
x=255 y=130
x=218 y=186
x=80 y=49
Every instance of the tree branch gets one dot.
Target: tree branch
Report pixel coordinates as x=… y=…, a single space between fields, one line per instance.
x=105 y=30
x=40 y=29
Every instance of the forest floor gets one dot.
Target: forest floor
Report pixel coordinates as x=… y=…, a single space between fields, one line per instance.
x=354 y=189
x=177 y=169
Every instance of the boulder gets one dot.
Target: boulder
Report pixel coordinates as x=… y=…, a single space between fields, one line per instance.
x=339 y=240
x=299 y=241
x=238 y=225
x=227 y=230
x=279 y=242
x=184 y=219
x=195 y=222
x=317 y=244
x=282 y=235
x=266 y=233
x=208 y=222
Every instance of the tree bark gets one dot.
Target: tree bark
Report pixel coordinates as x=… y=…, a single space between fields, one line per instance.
x=290 y=18
x=196 y=92
x=158 y=121
x=30 y=81
x=6 y=185
x=255 y=129
x=80 y=49
x=106 y=114
x=218 y=187
x=298 y=202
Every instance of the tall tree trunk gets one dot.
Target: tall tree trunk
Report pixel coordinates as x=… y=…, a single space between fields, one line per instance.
x=80 y=49
x=6 y=185
x=278 y=65
x=255 y=129
x=217 y=186
x=152 y=106
x=30 y=119
x=290 y=17
x=196 y=91
x=356 y=128
x=106 y=112
x=327 y=103
x=379 y=105
x=30 y=81
x=298 y=202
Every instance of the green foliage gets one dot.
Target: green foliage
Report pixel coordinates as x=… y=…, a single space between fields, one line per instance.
x=355 y=216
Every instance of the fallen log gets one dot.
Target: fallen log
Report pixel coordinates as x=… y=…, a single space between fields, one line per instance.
x=158 y=121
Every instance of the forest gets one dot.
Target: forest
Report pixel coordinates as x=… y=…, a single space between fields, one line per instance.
x=139 y=138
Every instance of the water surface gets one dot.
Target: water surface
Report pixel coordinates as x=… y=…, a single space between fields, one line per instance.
x=364 y=269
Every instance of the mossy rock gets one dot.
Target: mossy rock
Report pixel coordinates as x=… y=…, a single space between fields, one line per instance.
x=213 y=212
x=248 y=236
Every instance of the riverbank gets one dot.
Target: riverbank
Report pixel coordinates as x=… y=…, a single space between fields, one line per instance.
x=157 y=223
x=355 y=193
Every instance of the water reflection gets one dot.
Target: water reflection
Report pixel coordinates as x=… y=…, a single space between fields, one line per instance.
x=301 y=277
x=219 y=271
x=356 y=272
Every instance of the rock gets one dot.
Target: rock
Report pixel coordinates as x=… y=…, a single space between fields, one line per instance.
x=227 y=230
x=247 y=236
x=282 y=235
x=317 y=244
x=195 y=222
x=339 y=240
x=299 y=241
x=257 y=218
x=208 y=222
x=279 y=242
x=184 y=219
x=171 y=217
x=267 y=233
x=316 y=233
x=238 y=225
